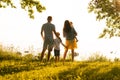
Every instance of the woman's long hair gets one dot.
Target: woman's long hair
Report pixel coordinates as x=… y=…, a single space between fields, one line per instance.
x=67 y=26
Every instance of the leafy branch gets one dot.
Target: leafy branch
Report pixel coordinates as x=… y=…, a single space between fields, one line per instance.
x=28 y=5
x=106 y=10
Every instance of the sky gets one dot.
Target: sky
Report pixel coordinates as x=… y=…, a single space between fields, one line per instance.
x=18 y=29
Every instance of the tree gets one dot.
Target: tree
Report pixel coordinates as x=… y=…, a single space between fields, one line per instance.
x=29 y=5
x=108 y=10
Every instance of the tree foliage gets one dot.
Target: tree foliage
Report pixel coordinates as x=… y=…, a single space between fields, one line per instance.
x=107 y=10
x=5 y=3
x=28 y=5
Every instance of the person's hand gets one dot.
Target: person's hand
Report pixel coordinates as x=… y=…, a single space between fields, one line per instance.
x=76 y=40
x=66 y=47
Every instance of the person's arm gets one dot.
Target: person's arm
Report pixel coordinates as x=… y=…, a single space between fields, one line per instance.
x=42 y=33
x=62 y=43
x=55 y=34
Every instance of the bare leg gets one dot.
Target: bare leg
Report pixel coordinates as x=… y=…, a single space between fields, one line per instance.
x=72 y=54
x=42 y=54
x=58 y=58
x=55 y=59
x=65 y=54
x=49 y=53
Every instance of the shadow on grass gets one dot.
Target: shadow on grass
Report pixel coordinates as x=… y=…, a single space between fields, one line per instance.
x=27 y=66
x=71 y=73
x=113 y=74
x=94 y=72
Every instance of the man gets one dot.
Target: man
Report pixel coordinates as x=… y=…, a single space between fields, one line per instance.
x=47 y=31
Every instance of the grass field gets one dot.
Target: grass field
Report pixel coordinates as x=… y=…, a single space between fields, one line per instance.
x=24 y=69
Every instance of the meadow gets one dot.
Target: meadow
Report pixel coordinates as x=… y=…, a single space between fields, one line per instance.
x=16 y=67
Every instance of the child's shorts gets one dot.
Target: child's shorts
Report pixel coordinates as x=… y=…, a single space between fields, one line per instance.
x=56 y=52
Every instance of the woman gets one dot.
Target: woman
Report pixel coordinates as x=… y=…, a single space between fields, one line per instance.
x=69 y=33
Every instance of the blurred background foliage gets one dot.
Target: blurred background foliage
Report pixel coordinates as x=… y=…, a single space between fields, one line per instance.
x=108 y=10
x=28 y=5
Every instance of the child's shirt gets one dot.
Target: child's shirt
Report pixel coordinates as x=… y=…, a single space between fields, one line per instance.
x=57 y=44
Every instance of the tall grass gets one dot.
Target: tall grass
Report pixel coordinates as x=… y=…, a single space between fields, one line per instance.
x=5 y=55
x=95 y=57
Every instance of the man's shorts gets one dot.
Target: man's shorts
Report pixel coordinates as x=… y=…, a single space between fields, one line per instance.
x=48 y=44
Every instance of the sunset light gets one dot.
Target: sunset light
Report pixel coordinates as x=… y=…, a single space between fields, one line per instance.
x=17 y=29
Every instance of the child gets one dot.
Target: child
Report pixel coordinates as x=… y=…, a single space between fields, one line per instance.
x=57 y=42
x=75 y=35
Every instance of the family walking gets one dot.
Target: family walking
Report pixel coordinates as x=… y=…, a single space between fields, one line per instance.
x=48 y=31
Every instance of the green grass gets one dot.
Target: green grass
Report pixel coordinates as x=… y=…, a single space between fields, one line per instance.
x=21 y=70
x=16 y=67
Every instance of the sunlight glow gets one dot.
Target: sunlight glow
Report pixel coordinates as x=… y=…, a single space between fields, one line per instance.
x=18 y=29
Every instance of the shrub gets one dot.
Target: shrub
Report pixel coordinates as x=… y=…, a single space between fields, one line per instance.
x=97 y=57
x=116 y=59
x=5 y=55
x=27 y=57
